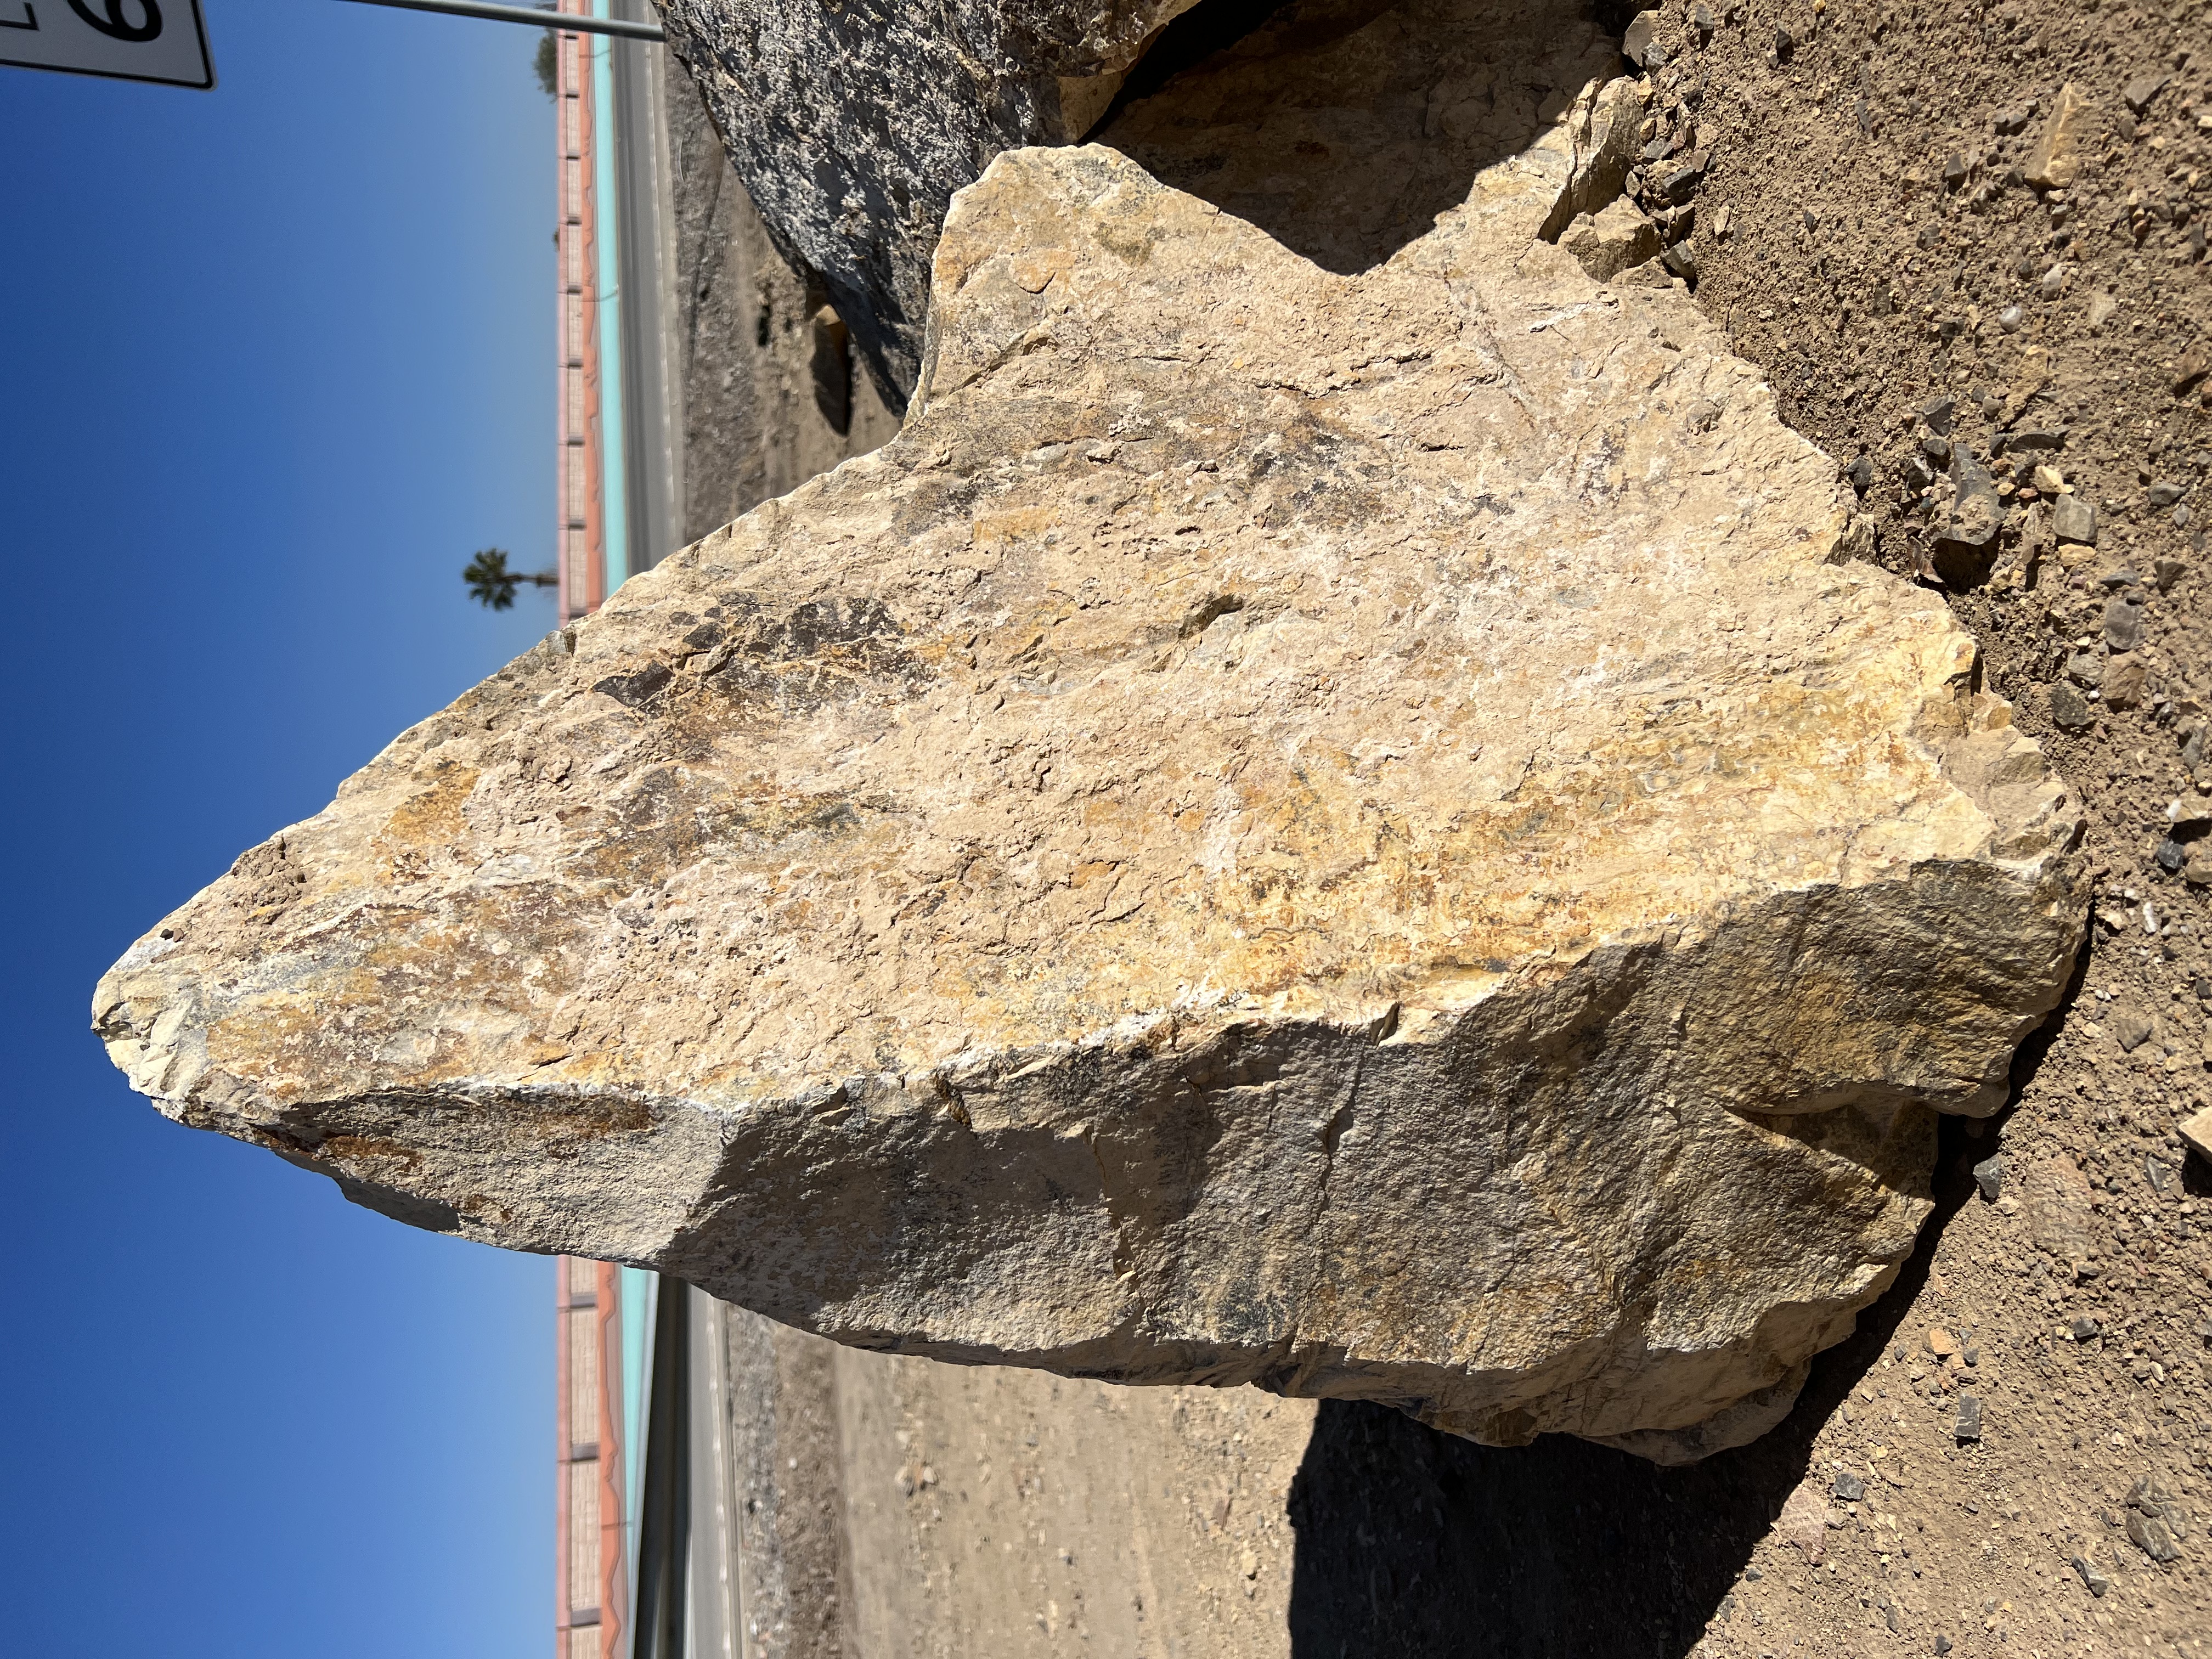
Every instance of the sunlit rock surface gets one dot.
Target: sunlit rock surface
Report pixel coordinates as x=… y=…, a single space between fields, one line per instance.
x=1345 y=829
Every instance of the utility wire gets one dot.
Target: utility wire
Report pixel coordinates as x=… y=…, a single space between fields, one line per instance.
x=537 y=18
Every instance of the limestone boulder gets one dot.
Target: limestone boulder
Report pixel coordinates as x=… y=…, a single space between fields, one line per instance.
x=1349 y=829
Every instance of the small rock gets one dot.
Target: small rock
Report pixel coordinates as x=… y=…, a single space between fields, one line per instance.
x=1938 y=416
x=1937 y=450
x=2159 y=1176
x=1989 y=1175
x=1784 y=43
x=1849 y=1487
x=2197 y=1134
x=1969 y=1424
x=1955 y=172
x=2188 y=372
x=2094 y=1581
x=1639 y=37
x=2131 y=1031
x=2070 y=709
x=2123 y=622
x=2085 y=668
x=2053 y=283
x=2016 y=119
x=2124 y=679
x=2010 y=318
x=1943 y=1644
x=2048 y=479
x=2034 y=441
x=1612 y=241
x=1941 y=1342
x=2102 y=308
x=1861 y=474
x=2153 y=1536
x=2083 y=1328
x=2170 y=856
x=2056 y=160
x=1804 y=1521
x=2166 y=494
x=1679 y=185
x=2138 y=92
x=2072 y=520
x=1701 y=19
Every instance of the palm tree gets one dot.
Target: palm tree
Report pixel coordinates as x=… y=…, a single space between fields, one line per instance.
x=492 y=585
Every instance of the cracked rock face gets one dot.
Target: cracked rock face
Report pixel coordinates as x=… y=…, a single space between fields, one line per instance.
x=851 y=125
x=1347 y=831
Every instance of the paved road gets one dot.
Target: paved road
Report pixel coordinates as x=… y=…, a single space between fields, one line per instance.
x=652 y=388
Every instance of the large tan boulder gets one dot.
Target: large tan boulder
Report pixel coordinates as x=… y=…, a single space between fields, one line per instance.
x=1353 y=832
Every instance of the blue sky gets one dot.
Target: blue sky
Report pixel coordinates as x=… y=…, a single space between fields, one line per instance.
x=277 y=360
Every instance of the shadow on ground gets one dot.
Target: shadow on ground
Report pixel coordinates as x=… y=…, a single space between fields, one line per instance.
x=1412 y=1542
x=1342 y=128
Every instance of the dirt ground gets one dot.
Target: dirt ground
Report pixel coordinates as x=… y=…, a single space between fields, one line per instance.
x=1861 y=212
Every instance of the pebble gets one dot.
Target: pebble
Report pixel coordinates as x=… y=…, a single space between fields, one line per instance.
x=2138 y=92
x=1848 y=1488
x=2132 y=1030
x=1861 y=474
x=2072 y=520
x=2083 y=1328
x=2049 y=479
x=2170 y=856
x=1937 y=450
x=1955 y=172
x=2010 y=318
x=1937 y=416
x=2095 y=1581
x=2153 y=1538
x=2070 y=709
x=2085 y=668
x=1969 y=1424
x=2053 y=283
x=1638 y=39
x=2123 y=622
x=2166 y=494
x=1989 y=1175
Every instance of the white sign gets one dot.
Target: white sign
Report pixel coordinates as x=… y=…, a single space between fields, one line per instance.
x=160 y=40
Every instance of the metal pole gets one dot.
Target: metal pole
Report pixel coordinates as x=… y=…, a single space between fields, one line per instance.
x=568 y=22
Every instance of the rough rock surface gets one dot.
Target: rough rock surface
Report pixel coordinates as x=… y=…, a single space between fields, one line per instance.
x=851 y=125
x=1342 y=831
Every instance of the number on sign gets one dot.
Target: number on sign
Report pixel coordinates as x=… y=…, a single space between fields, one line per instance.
x=116 y=23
